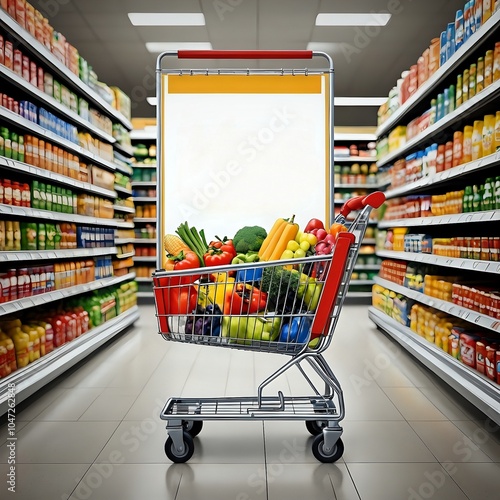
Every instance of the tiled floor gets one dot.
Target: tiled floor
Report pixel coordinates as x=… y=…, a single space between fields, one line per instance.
x=95 y=433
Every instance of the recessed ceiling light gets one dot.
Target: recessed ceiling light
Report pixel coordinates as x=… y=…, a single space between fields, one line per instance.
x=166 y=19
x=344 y=19
x=152 y=100
x=157 y=47
x=359 y=101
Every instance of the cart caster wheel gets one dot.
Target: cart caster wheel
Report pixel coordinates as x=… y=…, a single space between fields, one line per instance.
x=193 y=426
x=320 y=454
x=316 y=427
x=174 y=455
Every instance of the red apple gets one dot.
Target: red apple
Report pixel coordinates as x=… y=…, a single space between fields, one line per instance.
x=314 y=224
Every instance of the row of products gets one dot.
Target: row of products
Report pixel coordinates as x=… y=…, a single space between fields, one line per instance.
x=39 y=27
x=144 y=271
x=476 y=349
x=474 y=142
x=475 y=198
x=24 y=340
x=355 y=174
x=121 y=267
x=122 y=180
x=29 y=70
x=483 y=298
x=485 y=248
x=31 y=236
x=146 y=211
x=124 y=234
x=145 y=251
x=354 y=150
x=127 y=248
x=47 y=156
x=144 y=174
x=147 y=232
x=145 y=154
x=144 y=193
x=467 y=21
x=26 y=282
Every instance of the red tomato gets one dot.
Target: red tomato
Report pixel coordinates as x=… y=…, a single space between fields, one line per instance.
x=314 y=224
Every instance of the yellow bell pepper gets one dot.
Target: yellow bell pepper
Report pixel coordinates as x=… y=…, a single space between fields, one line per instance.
x=215 y=292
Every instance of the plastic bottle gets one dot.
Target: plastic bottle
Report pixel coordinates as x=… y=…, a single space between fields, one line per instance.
x=457 y=148
x=488 y=132
x=467 y=144
x=22 y=345
x=451 y=99
x=21 y=149
x=478 y=13
x=8 y=344
x=459 y=92
x=496 y=62
x=488 y=201
x=12 y=275
x=496 y=135
x=440 y=158
x=488 y=68
x=487 y=10
x=465 y=86
x=448 y=155
x=476 y=198
x=477 y=139
x=480 y=75
x=7 y=192
x=467 y=199
x=472 y=80
x=16 y=194
x=497 y=193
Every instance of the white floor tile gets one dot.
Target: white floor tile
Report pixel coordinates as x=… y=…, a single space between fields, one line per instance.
x=483 y=436
x=408 y=481
x=413 y=404
x=111 y=404
x=478 y=481
x=44 y=481
x=383 y=442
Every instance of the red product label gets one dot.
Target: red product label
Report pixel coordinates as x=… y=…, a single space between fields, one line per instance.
x=468 y=350
x=480 y=357
x=490 y=363
x=18 y=62
x=33 y=74
x=1 y=50
x=26 y=68
x=497 y=361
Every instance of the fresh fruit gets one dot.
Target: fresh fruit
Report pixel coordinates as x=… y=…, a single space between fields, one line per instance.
x=293 y=246
x=337 y=228
x=310 y=238
x=305 y=246
x=319 y=233
x=287 y=254
x=314 y=224
x=299 y=253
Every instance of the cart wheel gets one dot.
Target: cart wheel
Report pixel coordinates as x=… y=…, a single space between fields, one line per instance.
x=316 y=427
x=174 y=455
x=193 y=426
x=321 y=455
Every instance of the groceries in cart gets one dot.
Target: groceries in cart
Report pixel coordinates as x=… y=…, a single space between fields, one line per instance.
x=255 y=287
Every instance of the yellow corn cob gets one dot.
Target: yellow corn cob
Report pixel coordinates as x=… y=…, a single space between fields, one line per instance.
x=174 y=245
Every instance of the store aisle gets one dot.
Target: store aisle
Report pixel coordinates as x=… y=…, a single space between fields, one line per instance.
x=95 y=432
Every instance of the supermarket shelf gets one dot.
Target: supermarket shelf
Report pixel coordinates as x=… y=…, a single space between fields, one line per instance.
x=354 y=137
x=485 y=216
x=487 y=95
x=358 y=295
x=123 y=190
x=139 y=258
x=45 y=298
x=24 y=168
x=124 y=241
x=145 y=219
x=145 y=198
x=123 y=149
x=144 y=280
x=121 y=208
x=59 y=216
x=492 y=160
x=58 y=69
x=143 y=165
x=473 y=317
x=144 y=295
x=144 y=240
x=447 y=68
x=23 y=123
x=144 y=184
x=361 y=282
x=472 y=385
x=125 y=255
x=349 y=159
x=143 y=135
x=366 y=267
x=55 y=106
x=357 y=186
x=30 y=255
x=126 y=170
x=368 y=241
x=438 y=260
x=35 y=375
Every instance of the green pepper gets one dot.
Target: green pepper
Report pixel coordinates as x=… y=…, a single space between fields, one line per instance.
x=245 y=329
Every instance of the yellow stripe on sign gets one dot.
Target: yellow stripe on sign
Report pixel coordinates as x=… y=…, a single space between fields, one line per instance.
x=244 y=84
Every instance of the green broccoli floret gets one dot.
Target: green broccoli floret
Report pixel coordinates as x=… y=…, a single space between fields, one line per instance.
x=249 y=239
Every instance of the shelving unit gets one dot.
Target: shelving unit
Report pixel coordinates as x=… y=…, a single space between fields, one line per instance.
x=355 y=175
x=477 y=388
x=107 y=154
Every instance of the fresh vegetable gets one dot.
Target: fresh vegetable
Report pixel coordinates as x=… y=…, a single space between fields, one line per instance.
x=249 y=239
x=173 y=244
x=180 y=300
x=283 y=231
x=337 y=228
x=282 y=287
x=245 y=258
x=314 y=224
x=206 y=321
x=244 y=299
x=312 y=295
x=246 y=329
x=181 y=261
x=214 y=291
x=220 y=253
x=195 y=240
x=296 y=331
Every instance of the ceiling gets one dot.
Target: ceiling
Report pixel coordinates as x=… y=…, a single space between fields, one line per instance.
x=367 y=60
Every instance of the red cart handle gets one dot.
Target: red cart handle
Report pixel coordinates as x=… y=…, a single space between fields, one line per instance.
x=374 y=200
x=244 y=54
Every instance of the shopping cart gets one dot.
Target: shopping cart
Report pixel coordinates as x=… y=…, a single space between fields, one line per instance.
x=299 y=327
